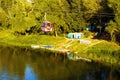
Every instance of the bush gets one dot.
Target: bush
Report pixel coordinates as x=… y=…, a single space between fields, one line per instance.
x=87 y=33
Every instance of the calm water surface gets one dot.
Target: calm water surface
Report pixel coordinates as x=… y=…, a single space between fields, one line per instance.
x=25 y=64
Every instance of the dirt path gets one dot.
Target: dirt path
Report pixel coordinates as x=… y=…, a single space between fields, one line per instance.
x=64 y=43
x=69 y=42
x=92 y=44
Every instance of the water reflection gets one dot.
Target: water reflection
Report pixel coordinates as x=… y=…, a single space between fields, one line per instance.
x=21 y=64
x=29 y=73
x=5 y=76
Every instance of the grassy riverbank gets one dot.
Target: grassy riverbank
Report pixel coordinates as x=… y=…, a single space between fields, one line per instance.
x=98 y=50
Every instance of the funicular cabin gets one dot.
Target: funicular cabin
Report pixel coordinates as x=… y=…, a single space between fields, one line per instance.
x=46 y=26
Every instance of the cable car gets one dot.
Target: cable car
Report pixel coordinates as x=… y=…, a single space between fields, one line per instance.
x=46 y=26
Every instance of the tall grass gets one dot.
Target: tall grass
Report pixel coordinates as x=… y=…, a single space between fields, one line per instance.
x=105 y=51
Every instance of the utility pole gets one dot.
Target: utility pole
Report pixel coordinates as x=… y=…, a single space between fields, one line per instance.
x=45 y=16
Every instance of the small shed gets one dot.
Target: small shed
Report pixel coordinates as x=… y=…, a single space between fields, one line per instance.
x=91 y=28
x=78 y=35
x=88 y=28
x=75 y=35
x=85 y=41
x=70 y=35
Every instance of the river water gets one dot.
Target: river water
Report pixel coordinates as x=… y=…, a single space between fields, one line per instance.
x=27 y=64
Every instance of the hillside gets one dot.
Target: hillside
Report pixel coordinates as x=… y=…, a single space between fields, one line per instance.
x=98 y=50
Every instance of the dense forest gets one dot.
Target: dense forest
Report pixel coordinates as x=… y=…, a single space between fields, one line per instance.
x=26 y=16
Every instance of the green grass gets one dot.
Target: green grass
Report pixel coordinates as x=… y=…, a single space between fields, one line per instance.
x=102 y=51
x=27 y=40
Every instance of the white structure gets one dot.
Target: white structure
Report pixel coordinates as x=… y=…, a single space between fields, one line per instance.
x=85 y=41
x=75 y=35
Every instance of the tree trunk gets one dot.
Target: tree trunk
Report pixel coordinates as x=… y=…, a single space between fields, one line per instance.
x=55 y=33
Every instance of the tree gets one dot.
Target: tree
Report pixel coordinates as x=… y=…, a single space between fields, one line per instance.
x=74 y=16
x=4 y=19
x=55 y=12
x=67 y=15
x=22 y=15
x=112 y=28
x=115 y=5
x=5 y=6
x=90 y=8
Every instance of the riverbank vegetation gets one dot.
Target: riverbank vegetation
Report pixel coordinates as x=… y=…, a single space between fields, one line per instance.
x=20 y=25
x=98 y=50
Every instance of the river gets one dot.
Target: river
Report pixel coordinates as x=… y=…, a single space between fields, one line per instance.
x=27 y=64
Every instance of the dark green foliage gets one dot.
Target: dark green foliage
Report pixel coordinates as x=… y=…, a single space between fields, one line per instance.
x=65 y=15
x=22 y=15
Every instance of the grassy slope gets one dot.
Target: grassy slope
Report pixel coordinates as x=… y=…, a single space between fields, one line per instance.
x=99 y=50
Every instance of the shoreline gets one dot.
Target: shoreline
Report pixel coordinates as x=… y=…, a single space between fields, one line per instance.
x=98 y=50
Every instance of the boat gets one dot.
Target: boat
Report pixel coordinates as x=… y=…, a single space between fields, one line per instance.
x=52 y=48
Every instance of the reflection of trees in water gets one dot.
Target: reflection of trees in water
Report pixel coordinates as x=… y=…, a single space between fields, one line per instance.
x=14 y=63
x=48 y=66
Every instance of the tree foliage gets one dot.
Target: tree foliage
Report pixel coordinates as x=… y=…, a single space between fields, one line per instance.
x=90 y=7
x=115 y=5
x=115 y=27
x=65 y=15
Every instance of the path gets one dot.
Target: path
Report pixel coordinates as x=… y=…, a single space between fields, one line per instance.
x=92 y=44
x=64 y=43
